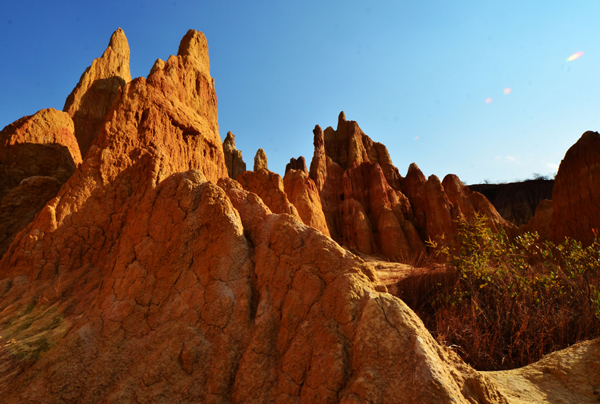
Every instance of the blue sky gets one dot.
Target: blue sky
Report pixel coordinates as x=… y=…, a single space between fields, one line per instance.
x=414 y=75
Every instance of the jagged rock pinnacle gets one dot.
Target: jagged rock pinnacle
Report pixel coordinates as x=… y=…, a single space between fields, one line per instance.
x=296 y=164
x=260 y=160
x=318 y=140
x=194 y=45
x=91 y=99
x=118 y=43
x=233 y=157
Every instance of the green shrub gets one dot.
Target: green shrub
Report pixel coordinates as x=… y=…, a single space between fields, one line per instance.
x=513 y=300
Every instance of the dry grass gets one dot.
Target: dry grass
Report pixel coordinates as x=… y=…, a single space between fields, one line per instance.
x=506 y=303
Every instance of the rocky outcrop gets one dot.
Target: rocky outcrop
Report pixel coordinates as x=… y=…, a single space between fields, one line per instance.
x=233 y=157
x=516 y=201
x=304 y=195
x=438 y=206
x=38 y=153
x=371 y=208
x=362 y=210
x=542 y=220
x=40 y=144
x=269 y=187
x=144 y=281
x=159 y=126
x=91 y=100
x=469 y=202
x=20 y=205
x=568 y=376
x=154 y=277
x=296 y=164
x=440 y=213
x=260 y=160
x=576 y=194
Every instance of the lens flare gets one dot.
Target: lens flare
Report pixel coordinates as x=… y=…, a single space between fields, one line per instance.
x=507 y=90
x=488 y=100
x=574 y=56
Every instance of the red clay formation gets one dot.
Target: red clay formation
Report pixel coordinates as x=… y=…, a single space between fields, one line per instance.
x=576 y=193
x=38 y=154
x=153 y=277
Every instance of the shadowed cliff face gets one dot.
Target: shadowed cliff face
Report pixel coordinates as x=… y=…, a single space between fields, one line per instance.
x=38 y=154
x=154 y=277
x=517 y=201
x=89 y=102
x=233 y=157
x=576 y=194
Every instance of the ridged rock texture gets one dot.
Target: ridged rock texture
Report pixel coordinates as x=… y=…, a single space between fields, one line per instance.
x=153 y=277
x=38 y=154
x=576 y=193
x=363 y=212
x=469 y=202
x=233 y=157
x=369 y=207
x=304 y=195
x=269 y=187
x=89 y=102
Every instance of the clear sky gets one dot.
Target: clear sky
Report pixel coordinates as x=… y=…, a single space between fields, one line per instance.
x=415 y=75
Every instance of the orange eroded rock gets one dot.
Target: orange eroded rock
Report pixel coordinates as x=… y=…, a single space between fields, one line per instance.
x=143 y=281
x=360 y=193
x=260 y=160
x=40 y=144
x=159 y=126
x=269 y=187
x=89 y=102
x=440 y=212
x=324 y=334
x=414 y=188
x=108 y=265
x=304 y=195
x=233 y=157
x=576 y=193
x=38 y=153
x=438 y=205
x=296 y=164
x=470 y=202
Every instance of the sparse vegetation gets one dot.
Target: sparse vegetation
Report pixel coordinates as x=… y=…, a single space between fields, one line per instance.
x=534 y=177
x=512 y=301
x=538 y=176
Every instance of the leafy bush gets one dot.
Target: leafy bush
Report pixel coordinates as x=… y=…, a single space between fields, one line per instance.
x=516 y=300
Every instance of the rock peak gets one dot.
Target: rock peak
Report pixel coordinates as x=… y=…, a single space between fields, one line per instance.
x=230 y=139
x=118 y=43
x=260 y=160
x=590 y=136
x=233 y=157
x=341 y=117
x=92 y=97
x=297 y=164
x=194 y=45
x=318 y=140
x=414 y=170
